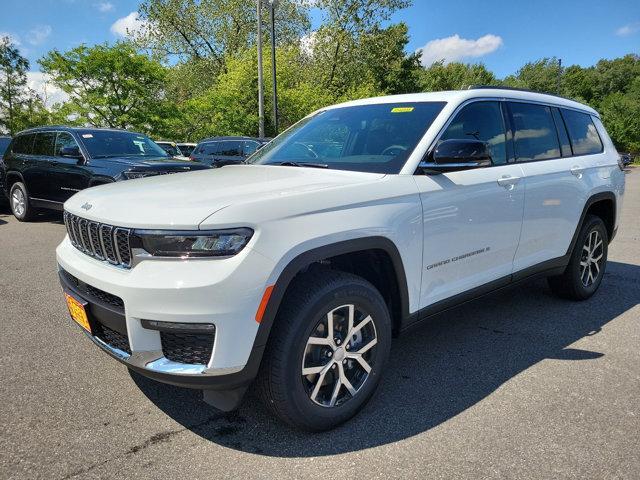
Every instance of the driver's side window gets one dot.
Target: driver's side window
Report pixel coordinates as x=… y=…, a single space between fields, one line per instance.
x=481 y=121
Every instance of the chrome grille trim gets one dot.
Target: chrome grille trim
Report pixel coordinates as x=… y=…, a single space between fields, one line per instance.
x=103 y=242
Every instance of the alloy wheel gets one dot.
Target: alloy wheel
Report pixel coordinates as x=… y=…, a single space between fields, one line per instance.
x=339 y=356
x=591 y=259
x=18 y=202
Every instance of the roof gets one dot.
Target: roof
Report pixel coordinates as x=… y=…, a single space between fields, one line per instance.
x=459 y=96
x=216 y=139
x=75 y=129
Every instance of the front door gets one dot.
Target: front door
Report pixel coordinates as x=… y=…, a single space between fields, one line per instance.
x=471 y=218
x=69 y=175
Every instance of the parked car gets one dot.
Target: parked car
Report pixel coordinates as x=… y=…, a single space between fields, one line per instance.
x=171 y=149
x=626 y=159
x=4 y=143
x=47 y=165
x=219 y=151
x=186 y=148
x=356 y=224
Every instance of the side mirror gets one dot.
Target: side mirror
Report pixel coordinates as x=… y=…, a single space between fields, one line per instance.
x=71 y=152
x=459 y=154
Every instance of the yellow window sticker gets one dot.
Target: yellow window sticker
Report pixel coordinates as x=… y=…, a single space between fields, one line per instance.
x=402 y=109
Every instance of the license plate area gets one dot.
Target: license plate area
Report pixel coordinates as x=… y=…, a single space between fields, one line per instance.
x=78 y=311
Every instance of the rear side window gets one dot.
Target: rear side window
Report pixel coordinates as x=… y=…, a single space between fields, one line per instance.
x=23 y=144
x=43 y=144
x=209 y=148
x=535 y=132
x=582 y=133
x=250 y=147
x=64 y=140
x=482 y=121
x=231 y=149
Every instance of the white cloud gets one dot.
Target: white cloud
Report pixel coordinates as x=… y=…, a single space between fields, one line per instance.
x=41 y=84
x=628 y=29
x=454 y=48
x=129 y=26
x=39 y=34
x=105 y=6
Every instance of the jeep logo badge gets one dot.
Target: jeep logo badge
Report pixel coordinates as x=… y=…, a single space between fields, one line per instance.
x=87 y=206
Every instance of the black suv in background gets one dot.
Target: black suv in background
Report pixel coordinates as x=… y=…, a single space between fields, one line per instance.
x=220 y=151
x=45 y=166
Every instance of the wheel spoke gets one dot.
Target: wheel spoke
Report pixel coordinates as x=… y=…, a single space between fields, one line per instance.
x=345 y=381
x=318 y=384
x=597 y=245
x=359 y=327
x=312 y=370
x=352 y=314
x=584 y=270
x=368 y=346
x=336 y=391
x=330 y=333
x=360 y=359
x=320 y=341
x=597 y=259
x=595 y=264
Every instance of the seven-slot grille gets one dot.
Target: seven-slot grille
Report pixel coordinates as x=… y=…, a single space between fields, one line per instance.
x=98 y=240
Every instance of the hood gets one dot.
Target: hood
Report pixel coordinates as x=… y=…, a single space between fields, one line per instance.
x=154 y=163
x=183 y=201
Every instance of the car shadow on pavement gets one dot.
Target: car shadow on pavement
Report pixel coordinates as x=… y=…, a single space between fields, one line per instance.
x=434 y=373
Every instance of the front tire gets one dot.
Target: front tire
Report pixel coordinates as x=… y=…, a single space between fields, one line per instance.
x=329 y=346
x=20 y=203
x=585 y=271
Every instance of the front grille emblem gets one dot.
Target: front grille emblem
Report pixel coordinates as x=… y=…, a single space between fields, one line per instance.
x=87 y=206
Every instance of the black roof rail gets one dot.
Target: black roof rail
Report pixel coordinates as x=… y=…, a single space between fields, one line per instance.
x=497 y=87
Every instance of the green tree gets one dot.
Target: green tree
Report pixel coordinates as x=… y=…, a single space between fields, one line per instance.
x=14 y=93
x=540 y=76
x=111 y=86
x=454 y=76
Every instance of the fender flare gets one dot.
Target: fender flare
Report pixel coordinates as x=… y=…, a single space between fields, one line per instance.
x=598 y=197
x=326 y=251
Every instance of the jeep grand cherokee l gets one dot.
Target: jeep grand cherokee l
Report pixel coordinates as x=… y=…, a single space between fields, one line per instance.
x=355 y=224
x=45 y=166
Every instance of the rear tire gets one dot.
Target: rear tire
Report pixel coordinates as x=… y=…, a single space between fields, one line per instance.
x=585 y=271
x=20 y=203
x=310 y=334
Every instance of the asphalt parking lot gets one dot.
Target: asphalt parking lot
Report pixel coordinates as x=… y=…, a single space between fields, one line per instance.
x=515 y=385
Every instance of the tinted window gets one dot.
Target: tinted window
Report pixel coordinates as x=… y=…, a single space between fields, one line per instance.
x=250 y=147
x=64 y=140
x=231 y=149
x=43 y=144
x=565 y=146
x=582 y=132
x=170 y=148
x=535 y=132
x=210 y=148
x=4 y=143
x=23 y=144
x=117 y=143
x=482 y=121
x=186 y=149
x=366 y=138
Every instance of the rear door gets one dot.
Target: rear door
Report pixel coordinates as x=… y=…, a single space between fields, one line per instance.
x=33 y=167
x=471 y=218
x=69 y=175
x=555 y=183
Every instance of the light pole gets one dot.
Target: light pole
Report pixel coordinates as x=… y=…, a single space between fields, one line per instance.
x=260 y=80
x=273 y=4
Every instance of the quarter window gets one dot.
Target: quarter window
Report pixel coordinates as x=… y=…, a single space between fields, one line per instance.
x=535 y=132
x=43 y=144
x=231 y=149
x=64 y=140
x=582 y=132
x=482 y=121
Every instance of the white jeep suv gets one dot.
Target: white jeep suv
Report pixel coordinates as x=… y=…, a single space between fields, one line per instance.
x=357 y=223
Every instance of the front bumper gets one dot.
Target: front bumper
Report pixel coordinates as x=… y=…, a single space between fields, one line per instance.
x=225 y=293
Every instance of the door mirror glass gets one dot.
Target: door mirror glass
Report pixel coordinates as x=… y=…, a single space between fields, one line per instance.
x=460 y=154
x=70 y=152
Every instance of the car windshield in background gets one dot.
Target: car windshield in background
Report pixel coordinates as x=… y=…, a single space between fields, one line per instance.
x=366 y=138
x=112 y=143
x=171 y=150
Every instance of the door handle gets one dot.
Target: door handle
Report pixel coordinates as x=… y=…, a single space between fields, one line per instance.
x=577 y=170
x=508 y=181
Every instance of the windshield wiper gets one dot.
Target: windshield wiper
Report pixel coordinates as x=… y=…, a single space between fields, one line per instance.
x=303 y=164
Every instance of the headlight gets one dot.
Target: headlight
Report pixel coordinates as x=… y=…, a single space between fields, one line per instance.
x=214 y=243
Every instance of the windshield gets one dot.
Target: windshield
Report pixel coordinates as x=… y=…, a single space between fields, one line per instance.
x=366 y=138
x=113 y=143
x=186 y=149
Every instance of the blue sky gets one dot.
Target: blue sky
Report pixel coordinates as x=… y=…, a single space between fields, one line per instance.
x=502 y=34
